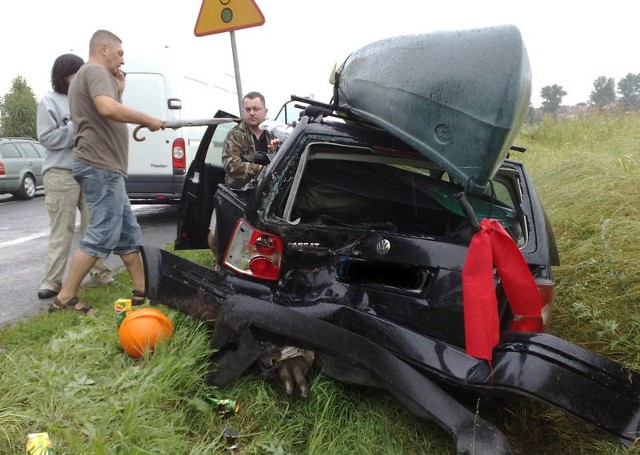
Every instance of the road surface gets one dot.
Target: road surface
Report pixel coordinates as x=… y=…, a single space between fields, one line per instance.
x=24 y=234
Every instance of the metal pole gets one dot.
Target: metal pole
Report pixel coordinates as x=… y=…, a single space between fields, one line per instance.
x=236 y=68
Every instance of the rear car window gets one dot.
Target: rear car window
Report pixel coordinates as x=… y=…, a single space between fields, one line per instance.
x=357 y=186
x=9 y=151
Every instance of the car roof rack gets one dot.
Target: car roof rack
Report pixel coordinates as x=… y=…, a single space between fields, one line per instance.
x=318 y=108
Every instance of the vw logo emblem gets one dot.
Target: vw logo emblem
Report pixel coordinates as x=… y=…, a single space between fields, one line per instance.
x=383 y=247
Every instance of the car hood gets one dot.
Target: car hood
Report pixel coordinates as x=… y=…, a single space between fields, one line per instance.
x=458 y=97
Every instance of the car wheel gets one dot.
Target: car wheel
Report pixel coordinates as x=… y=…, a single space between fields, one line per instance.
x=27 y=188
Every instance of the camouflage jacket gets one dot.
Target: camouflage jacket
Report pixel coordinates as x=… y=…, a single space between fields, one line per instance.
x=237 y=152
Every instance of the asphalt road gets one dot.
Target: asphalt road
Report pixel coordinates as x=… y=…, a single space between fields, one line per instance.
x=24 y=235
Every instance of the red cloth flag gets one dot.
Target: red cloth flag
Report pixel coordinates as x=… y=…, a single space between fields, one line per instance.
x=493 y=246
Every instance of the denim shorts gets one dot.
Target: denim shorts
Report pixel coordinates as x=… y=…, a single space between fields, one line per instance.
x=112 y=225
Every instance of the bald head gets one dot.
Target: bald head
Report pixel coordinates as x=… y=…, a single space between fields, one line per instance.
x=102 y=38
x=105 y=48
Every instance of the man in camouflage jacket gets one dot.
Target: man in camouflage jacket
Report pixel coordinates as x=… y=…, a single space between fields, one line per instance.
x=244 y=140
x=287 y=363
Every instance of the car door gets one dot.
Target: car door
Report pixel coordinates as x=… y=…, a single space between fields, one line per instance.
x=12 y=163
x=34 y=159
x=203 y=177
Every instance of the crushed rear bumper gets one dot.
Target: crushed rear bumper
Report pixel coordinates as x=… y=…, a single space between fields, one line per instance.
x=363 y=348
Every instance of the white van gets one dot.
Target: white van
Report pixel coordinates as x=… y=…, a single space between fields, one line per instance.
x=158 y=165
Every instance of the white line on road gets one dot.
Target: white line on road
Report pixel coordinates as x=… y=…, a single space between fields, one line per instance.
x=43 y=234
x=23 y=239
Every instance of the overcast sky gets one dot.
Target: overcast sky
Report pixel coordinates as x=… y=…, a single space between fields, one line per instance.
x=569 y=43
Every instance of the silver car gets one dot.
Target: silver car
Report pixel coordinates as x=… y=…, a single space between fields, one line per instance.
x=21 y=161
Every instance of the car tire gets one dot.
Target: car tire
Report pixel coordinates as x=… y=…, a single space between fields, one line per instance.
x=27 y=187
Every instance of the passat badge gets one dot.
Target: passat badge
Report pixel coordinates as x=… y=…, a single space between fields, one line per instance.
x=383 y=247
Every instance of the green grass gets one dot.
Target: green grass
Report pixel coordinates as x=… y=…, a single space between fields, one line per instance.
x=65 y=374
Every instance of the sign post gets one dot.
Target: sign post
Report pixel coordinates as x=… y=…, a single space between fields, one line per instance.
x=218 y=16
x=236 y=69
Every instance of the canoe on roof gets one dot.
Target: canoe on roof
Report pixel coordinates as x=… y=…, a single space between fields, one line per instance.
x=458 y=97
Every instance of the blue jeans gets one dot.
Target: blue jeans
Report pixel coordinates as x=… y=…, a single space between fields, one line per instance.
x=112 y=225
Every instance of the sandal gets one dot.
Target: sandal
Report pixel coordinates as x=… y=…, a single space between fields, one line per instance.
x=58 y=305
x=84 y=309
x=72 y=303
x=139 y=297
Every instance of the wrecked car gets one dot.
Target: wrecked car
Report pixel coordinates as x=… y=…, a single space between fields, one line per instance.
x=356 y=240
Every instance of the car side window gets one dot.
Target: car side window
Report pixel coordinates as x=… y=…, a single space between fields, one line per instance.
x=214 y=152
x=9 y=151
x=28 y=150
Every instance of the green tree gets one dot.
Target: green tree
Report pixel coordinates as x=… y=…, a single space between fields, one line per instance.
x=18 y=110
x=604 y=92
x=629 y=89
x=552 y=97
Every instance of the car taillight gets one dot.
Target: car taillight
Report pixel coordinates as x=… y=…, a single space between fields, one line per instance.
x=253 y=252
x=179 y=155
x=546 y=288
x=1 y=168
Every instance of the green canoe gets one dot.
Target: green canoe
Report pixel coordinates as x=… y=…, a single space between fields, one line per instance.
x=458 y=97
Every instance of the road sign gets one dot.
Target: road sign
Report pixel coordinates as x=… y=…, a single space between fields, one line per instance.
x=217 y=16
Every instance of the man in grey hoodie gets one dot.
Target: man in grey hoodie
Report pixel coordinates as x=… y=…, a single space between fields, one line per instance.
x=63 y=196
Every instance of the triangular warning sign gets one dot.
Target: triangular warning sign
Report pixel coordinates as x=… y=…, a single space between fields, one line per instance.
x=217 y=16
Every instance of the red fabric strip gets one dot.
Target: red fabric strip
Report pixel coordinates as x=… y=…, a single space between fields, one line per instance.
x=492 y=246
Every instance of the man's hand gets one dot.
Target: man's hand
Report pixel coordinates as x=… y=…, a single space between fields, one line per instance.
x=121 y=78
x=273 y=145
x=154 y=124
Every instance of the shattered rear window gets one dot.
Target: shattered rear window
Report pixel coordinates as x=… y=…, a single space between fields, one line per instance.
x=386 y=189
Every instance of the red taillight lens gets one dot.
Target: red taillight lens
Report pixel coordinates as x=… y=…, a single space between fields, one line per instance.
x=546 y=288
x=253 y=252
x=179 y=155
x=262 y=267
x=1 y=168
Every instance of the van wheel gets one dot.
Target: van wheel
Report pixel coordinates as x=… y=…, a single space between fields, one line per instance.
x=27 y=187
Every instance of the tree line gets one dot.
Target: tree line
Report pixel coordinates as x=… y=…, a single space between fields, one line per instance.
x=604 y=94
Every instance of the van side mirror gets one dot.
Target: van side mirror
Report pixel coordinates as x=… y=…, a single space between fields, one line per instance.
x=174 y=103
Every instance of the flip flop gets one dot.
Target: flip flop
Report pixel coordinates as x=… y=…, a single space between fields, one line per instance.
x=58 y=305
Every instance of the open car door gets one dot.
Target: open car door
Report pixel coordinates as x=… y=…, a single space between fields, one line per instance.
x=205 y=174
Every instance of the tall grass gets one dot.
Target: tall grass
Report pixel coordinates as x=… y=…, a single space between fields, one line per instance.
x=65 y=374
x=587 y=172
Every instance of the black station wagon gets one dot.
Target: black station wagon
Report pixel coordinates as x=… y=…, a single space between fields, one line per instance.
x=356 y=240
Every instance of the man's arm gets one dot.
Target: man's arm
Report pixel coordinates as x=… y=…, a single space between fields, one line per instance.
x=118 y=112
x=54 y=133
